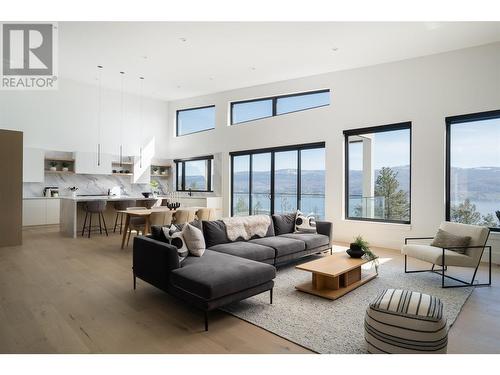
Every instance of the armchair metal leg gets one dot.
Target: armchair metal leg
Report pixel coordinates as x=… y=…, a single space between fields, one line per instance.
x=206 y=321
x=135 y=283
x=270 y=296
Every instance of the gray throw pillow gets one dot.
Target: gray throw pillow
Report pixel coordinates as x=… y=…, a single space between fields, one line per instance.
x=445 y=239
x=194 y=239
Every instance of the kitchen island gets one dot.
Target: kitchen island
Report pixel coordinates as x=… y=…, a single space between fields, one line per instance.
x=73 y=214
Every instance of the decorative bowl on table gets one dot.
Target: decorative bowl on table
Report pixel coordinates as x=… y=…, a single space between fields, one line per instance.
x=355 y=251
x=147 y=195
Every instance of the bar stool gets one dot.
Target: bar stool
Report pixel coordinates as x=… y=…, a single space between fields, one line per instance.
x=94 y=207
x=136 y=224
x=121 y=206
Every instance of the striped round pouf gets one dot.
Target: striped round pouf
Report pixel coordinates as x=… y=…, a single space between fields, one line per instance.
x=405 y=322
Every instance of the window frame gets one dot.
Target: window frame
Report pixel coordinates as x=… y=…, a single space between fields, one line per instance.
x=460 y=119
x=191 y=109
x=274 y=100
x=272 y=151
x=406 y=125
x=208 y=158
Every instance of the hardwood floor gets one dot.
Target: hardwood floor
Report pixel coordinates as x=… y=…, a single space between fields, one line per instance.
x=63 y=295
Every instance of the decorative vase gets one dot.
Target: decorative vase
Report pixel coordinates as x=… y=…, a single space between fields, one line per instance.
x=53 y=169
x=355 y=251
x=65 y=169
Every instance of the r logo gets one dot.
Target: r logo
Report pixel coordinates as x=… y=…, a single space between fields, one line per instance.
x=27 y=49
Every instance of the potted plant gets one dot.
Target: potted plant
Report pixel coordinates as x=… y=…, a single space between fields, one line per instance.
x=155 y=170
x=53 y=165
x=357 y=248
x=65 y=166
x=154 y=187
x=368 y=254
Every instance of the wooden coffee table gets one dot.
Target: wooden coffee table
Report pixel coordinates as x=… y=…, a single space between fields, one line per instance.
x=334 y=275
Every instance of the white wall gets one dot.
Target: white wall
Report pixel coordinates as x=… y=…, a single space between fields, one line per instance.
x=66 y=119
x=423 y=91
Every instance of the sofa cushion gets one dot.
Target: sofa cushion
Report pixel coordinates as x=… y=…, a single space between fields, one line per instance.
x=312 y=240
x=434 y=255
x=246 y=250
x=284 y=223
x=282 y=245
x=195 y=242
x=215 y=275
x=214 y=232
x=444 y=239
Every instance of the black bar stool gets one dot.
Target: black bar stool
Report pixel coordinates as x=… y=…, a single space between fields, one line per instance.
x=94 y=207
x=121 y=206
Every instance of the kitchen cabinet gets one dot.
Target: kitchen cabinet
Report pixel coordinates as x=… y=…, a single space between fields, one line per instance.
x=41 y=211
x=87 y=163
x=33 y=165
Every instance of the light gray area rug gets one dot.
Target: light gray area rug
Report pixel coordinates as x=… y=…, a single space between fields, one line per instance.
x=326 y=326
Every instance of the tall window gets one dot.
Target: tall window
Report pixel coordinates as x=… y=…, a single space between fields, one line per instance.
x=249 y=110
x=279 y=180
x=473 y=169
x=194 y=120
x=195 y=174
x=378 y=170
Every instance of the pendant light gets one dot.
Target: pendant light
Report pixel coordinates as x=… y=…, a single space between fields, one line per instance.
x=140 y=118
x=99 y=115
x=122 y=109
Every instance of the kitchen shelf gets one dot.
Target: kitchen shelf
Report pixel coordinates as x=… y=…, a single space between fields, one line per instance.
x=123 y=163
x=122 y=174
x=60 y=159
x=59 y=172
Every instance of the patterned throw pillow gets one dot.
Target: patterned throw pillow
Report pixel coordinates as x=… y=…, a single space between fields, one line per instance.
x=174 y=237
x=305 y=224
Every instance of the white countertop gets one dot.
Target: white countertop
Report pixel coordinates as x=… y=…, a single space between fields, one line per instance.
x=110 y=198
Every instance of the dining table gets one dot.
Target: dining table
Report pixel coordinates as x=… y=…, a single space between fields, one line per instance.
x=144 y=213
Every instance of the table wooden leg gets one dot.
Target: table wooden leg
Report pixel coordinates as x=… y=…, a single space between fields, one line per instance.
x=124 y=236
x=147 y=226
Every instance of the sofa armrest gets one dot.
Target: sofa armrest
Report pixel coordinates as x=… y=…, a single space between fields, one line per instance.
x=417 y=238
x=324 y=227
x=153 y=260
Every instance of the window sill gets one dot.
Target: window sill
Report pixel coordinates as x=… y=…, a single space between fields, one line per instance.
x=394 y=225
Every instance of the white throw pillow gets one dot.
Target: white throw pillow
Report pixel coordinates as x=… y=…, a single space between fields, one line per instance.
x=194 y=239
x=175 y=238
x=305 y=224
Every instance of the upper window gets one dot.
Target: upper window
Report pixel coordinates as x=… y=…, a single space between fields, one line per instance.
x=279 y=180
x=194 y=120
x=473 y=169
x=195 y=174
x=378 y=169
x=249 y=110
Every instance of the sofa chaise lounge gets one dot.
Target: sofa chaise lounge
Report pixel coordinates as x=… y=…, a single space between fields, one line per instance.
x=228 y=271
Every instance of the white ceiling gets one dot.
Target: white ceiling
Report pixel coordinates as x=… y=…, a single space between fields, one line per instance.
x=180 y=59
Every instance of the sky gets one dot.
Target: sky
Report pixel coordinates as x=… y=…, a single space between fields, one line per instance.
x=476 y=144
x=390 y=149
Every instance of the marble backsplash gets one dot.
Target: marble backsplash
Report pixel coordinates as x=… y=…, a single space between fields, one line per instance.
x=90 y=184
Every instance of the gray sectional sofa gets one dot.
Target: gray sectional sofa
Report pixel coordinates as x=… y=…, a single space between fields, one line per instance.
x=228 y=271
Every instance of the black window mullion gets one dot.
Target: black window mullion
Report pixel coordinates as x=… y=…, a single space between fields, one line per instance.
x=209 y=174
x=250 y=174
x=275 y=100
x=299 y=173
x=272 y=182
x=183 y=184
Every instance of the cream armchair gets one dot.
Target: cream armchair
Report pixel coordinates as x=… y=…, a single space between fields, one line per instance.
x=445 y=257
